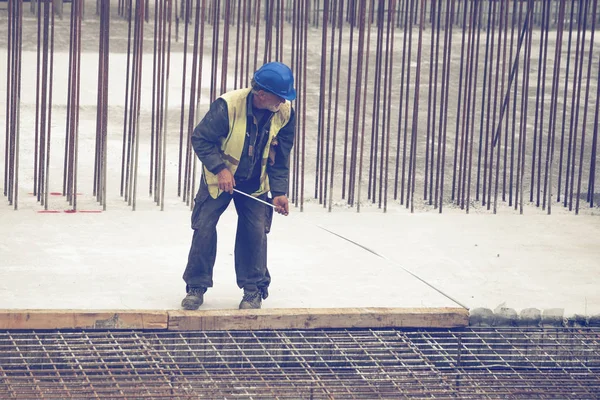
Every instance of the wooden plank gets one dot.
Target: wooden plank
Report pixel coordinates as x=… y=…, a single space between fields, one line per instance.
x=311 y=318
x=83 y=319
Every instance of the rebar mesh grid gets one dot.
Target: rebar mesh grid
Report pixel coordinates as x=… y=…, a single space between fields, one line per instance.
x=319 y=364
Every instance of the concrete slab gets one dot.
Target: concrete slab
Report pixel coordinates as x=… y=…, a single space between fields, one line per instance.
x=128 y=260
x=134 y=260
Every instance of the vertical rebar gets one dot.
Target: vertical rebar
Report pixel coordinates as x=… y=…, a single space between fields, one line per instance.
x=487 y=68
x=565 y=94
x=388 y=87
x=408 y=63
x=444 y=112
x=357 y=100
x=470 y=131
x=455 y=178
x=575 y=105
x=586 y=102
x=416 y=106
x=357 y=97
x=337 y=91
x=329 y=103
x=553 y=107
x=319 y=167
x=502 y=31
x=189 y=158
x=348 y=91
x=400 y=108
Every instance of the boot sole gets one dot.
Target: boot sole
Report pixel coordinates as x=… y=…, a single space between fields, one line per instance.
x=246 y=306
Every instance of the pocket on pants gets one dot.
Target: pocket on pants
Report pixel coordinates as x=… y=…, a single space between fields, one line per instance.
x=200 y=199
x=268 y=216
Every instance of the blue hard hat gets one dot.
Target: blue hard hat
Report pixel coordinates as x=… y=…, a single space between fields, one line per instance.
x=276 y=78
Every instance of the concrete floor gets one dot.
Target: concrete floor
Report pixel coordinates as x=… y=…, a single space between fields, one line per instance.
x=121 y=259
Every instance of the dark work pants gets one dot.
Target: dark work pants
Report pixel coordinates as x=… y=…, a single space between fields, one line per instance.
x=254 y=220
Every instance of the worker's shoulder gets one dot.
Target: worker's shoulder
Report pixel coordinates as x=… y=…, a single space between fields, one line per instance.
x=236 y=94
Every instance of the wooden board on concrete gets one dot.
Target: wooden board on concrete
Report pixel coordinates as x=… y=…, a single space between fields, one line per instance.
x=307 y=318
x=83 y=319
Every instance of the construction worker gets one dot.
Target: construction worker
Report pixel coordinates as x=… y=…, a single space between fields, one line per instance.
x=244 y=142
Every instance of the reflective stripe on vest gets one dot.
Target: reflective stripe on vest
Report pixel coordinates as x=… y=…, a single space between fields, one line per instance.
x=233 y=145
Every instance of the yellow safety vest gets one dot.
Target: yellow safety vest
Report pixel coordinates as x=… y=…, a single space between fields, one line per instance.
x=233 y=145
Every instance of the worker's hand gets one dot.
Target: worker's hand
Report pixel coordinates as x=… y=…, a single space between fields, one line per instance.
x=281 y=205
x=226 y=180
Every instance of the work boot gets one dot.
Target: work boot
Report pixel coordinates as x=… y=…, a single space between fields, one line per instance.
x=194 y=298
x=252 y=299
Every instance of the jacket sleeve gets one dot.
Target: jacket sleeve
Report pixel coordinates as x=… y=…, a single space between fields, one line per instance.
x=279 y=171
x=208 y=135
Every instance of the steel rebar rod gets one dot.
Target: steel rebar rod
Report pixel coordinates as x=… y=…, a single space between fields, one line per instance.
x=256 y=34
x=487 y=70
x=586 y=103
x=470 y=134
x=44 y=105
x=514 y=109
x=573 y=110
x=224 y=60
x=444 y=125
x=435 y=92
x=237 y=47
x=502 y=32
x=388 y=87
x=304 y=69
x=198 y=98
x=579 y=76
x=541 y=85
x=358 y=97
x=36 y=150
x=295 y=67
x=376 y=103
x=488 y=163
x=526 y=72
x=77 y=91
x=320 y=142
x=416 y=106
x=362 y=15
x=408 y=63
x=545 y=30
x=565 y=93
x=400 y=108
x=334 y=17
x=430 y=136
x=156 y=73
x=68 y=123
x=383 y=160
x=162 y=106
x=455 y=178
x=340 y=20
x=140 y=14
x=464 y=134
x=553 y=106
x=189 y=157
x=50 y=89
x=180 y=170
x=345 y=166
x=133 y=107
x=166 y=110
x=123 y=190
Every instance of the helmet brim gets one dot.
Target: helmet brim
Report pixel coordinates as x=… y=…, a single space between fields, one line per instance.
x=290 y=96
